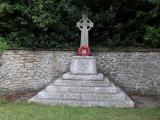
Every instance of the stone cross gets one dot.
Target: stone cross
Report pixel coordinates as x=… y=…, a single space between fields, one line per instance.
x=84 y=25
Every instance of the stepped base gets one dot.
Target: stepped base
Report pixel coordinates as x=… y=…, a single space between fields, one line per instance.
x=70 y=76
x=120 y=104
x=73 y=90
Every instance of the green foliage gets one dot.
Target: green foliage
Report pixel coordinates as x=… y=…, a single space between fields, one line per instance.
x=154 y=1
x=3 y=44
x=38 y=13
x=51 y=23
x=152 y=36
x=152 y=24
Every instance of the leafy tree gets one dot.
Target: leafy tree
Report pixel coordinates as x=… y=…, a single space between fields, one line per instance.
x=152 y=35
x=51 y=23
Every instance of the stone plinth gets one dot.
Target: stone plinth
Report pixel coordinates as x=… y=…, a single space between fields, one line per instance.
x=85 y=65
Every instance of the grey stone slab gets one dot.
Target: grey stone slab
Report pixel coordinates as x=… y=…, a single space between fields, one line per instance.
x=105 y=90
x=43 y=94
x=119 y=104
x=70 y=89
x=83 y=65
x=62 y=82
x=46 y=101
x=61 y=96
x=69 y=76
x=102 y=97
x=57 y=89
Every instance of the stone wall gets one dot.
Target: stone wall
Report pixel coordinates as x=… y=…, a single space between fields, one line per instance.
x=135 y=72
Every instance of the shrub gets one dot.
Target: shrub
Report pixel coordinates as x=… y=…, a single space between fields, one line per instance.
x=51 y=23
x=152 y=36
x=3 y=44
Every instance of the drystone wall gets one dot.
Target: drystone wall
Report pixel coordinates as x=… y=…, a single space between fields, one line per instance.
x=26 y=70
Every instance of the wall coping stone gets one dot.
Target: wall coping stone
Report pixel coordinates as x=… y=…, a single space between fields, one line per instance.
x=94 y=50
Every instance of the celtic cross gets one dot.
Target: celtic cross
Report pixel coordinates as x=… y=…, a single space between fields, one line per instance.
x=84 y=25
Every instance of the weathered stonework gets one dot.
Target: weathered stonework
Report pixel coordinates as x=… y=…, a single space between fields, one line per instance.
x=136 y=72
x=83 y=65
x=25 y=70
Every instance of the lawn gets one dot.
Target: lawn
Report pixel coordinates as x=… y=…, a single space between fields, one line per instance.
x=26 y=111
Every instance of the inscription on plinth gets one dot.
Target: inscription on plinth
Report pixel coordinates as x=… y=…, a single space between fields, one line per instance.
x=83 y=65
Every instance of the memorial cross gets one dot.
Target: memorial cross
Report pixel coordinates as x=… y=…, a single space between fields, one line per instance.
x=84 y=25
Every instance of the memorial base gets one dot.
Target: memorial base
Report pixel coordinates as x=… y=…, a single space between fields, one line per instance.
x=83 y=86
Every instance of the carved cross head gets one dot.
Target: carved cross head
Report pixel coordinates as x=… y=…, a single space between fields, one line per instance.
x=85 y=23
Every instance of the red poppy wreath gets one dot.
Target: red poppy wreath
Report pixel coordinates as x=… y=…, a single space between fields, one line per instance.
x=84 y=50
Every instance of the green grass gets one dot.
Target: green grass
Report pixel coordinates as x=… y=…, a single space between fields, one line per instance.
x=25 y=111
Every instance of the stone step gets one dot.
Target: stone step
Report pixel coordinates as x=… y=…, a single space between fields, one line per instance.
x=64 y=89
x=81 y=96
x=102 y=97
x=83 y=93
x=59 y=96
x=69 y=76
x=75 y=83
x=114 y=103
